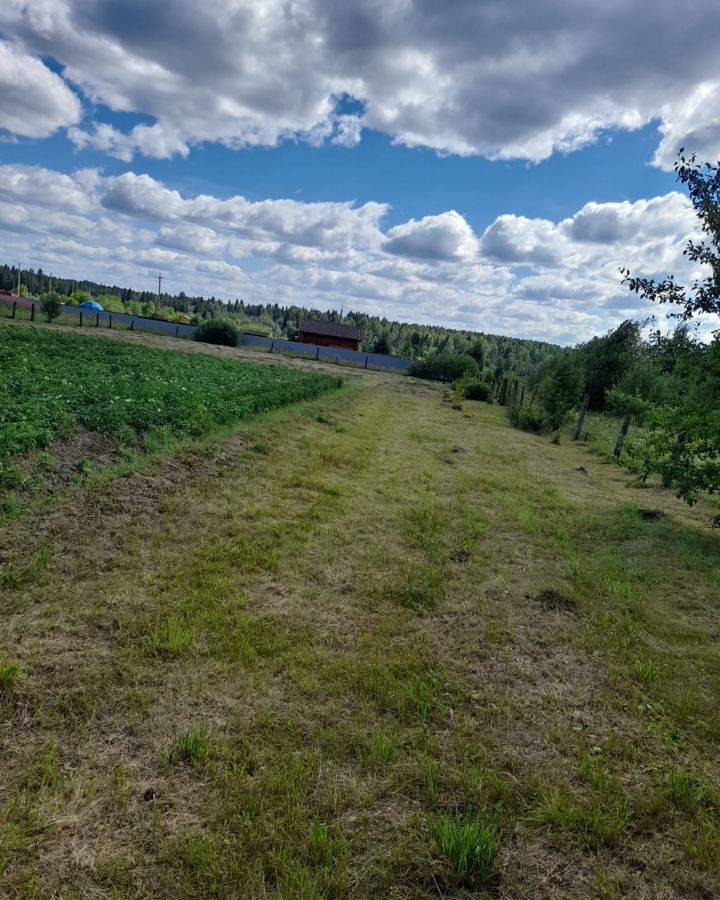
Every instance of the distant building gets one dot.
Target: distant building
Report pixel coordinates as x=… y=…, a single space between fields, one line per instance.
x=330 y=334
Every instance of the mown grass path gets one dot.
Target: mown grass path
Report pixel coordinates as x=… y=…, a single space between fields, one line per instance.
x=367 y=647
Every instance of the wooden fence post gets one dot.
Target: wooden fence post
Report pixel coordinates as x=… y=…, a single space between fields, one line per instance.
x=132 y=324
x=522 y=395
x=14 y=309
x=81 y=318
x=97 y=320
x=502 y=399
x=32 y=312
x=272 y=346
x=621 y=437
x=177 y=331
x=366 y=360
x=110 y=320
x=317 y=353
x=581 y=417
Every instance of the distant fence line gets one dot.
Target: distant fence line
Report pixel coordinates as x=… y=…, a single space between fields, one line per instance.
x=335 y=354
x=174 y=329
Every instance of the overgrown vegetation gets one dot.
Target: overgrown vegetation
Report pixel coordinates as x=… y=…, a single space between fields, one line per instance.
x=51 y=304
x=476 y=390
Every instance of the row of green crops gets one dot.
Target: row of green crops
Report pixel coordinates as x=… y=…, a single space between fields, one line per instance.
x=50 y=381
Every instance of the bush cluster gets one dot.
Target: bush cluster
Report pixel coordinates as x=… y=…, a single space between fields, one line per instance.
x=446 y=367
x=217 y=331
x=476 y=390
x=51 y=305
x=529 y=418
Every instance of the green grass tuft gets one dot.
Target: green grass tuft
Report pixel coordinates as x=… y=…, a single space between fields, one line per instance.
x=172 y=636
x=8 y=676
x=470 y=845
x=192 y=747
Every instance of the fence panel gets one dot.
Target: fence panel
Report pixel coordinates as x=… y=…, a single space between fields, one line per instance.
x=334 y=354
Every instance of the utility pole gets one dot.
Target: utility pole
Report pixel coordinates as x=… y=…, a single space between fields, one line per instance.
x=18 y=284
x=157 y=305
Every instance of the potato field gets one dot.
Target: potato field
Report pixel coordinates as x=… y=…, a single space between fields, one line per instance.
x=51 y=382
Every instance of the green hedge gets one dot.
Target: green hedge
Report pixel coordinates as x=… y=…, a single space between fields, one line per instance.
x=445 y=367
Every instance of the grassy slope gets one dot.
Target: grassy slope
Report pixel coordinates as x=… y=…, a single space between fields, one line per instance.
x=278 y=663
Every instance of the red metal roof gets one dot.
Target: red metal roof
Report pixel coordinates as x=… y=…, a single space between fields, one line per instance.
x=331 y=329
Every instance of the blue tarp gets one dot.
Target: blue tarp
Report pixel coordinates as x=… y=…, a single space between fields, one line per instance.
x=91 y=304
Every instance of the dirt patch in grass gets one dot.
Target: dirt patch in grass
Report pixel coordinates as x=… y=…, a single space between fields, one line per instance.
x=553 y=600
x=651 y=515
x=73 y=454
x=462 y=555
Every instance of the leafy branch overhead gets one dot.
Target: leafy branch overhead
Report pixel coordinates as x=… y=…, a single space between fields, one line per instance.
x=703 y=184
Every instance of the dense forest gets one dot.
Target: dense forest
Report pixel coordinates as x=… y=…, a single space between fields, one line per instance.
x=380 y=335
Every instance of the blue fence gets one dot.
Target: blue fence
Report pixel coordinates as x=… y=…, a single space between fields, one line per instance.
x=278 y=345
x=135 y=323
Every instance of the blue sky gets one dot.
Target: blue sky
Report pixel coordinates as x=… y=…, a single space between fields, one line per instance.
x=479 y=165
x=416 y=182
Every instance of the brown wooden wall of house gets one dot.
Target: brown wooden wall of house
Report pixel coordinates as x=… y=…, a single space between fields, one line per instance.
x=307 y=337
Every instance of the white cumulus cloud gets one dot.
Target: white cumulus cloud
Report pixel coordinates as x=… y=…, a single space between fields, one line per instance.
x=522 y=276
x=444 y=237
x=504 y=80
x=34 y=101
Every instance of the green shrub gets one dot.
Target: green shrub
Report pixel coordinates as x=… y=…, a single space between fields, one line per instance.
x=529 y=418
x=560 y=387
x=217 y=331
x=476 y=390
x=445 y=367
x=51 y=304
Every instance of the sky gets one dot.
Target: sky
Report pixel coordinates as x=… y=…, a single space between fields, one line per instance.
x=481 y=164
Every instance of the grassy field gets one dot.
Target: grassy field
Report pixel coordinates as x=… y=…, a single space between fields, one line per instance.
x=367 y=646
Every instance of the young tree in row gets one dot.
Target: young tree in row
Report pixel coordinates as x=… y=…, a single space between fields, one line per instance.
x=684 y=443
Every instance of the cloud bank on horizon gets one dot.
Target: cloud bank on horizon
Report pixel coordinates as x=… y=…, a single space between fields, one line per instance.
x=521 y=80
x=529 y=277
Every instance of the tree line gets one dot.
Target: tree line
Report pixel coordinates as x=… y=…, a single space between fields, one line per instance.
x=496 y=353
x=668 y=383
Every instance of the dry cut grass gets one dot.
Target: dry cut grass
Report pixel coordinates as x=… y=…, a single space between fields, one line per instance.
x=368 y=647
